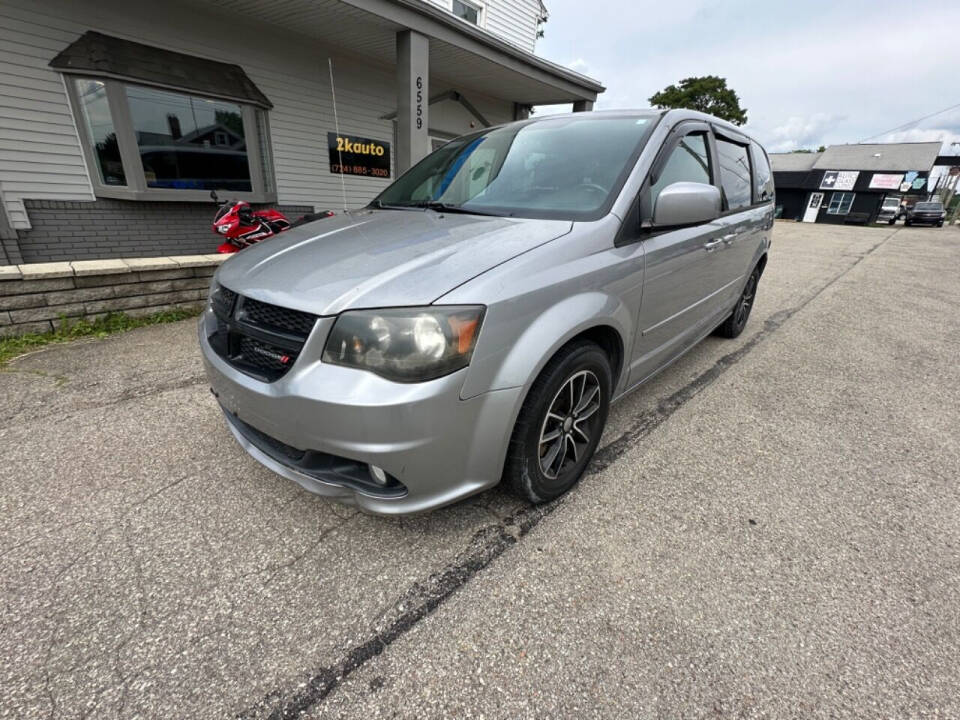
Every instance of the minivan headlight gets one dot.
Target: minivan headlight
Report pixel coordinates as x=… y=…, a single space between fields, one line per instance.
x=405 y=344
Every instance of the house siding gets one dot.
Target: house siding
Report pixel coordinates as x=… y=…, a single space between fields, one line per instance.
x=512 y=20
x=515 y=21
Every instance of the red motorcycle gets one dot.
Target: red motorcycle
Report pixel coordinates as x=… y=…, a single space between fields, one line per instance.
x=243 y=226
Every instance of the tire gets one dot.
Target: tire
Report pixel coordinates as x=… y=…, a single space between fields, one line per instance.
x=529 y=470
x=940 y=224
x=907 y=223
x=891 y=222
x=737 y=320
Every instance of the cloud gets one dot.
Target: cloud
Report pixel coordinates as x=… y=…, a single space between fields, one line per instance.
x=946 y=136
x=805 y=78
x=802 y=132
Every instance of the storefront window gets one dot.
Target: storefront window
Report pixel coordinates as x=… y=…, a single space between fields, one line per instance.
x=187 y=142
x=98 y=124
x=144 y=143
x=840 y=203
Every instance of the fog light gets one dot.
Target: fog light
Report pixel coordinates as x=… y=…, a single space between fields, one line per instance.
x=378 y=475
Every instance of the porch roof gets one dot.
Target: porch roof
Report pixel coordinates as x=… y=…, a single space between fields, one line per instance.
x=462 y=55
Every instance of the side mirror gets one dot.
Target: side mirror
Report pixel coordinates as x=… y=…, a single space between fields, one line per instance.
x=686 y=203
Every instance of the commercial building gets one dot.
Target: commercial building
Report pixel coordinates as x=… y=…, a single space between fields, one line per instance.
x=848 y=183
x=117 y=117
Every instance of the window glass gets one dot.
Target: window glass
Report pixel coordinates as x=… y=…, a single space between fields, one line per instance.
x=98 y=124
x=840 y=203
x=466 y=11
x=763 y=176
x=734 y=174
x=689 y=162
x=188 y=142
x=566 y=167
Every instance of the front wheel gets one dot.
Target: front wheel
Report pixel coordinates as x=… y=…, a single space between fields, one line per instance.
x=560 y=424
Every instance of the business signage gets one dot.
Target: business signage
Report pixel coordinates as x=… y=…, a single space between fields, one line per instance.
x=839 y=179
x=880 y=181
x=351 y=155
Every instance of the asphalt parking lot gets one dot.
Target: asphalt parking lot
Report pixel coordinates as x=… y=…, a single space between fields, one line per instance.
x=771 y=529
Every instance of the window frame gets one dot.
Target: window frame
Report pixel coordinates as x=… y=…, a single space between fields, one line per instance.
x=755 y=150
x=480 y=7
x=661 y=164
x=638 y=225
x=843 y=194
x=745 y=144
x=254 y=119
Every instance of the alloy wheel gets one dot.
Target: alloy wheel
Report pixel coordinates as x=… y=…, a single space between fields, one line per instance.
x=746 y=301
x=570 y=424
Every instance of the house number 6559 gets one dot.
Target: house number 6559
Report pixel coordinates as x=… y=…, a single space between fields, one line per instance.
x=419 y=102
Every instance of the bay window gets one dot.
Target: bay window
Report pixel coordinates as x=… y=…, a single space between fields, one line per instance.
x=152 y=144
x=161 y=125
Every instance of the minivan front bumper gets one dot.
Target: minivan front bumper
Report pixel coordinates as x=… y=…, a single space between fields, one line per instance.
x=438 y=447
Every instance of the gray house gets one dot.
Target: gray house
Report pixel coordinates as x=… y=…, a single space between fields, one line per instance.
x=117 y=117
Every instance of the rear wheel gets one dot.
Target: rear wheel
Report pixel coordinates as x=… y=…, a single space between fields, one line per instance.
x=734 y=324
x=560 y=424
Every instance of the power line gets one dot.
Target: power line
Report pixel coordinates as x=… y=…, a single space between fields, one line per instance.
x=911 y=123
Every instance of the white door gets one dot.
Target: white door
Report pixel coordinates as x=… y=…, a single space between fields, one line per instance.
x=813 y=207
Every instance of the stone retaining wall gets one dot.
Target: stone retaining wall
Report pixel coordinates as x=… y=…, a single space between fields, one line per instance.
x=36 y=297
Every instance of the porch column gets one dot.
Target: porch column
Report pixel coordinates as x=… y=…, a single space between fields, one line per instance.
x=413 y=73
x=583 y=106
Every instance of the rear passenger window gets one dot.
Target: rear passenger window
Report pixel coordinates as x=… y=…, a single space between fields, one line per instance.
x=734 y=174
x=763 y=178
x=689 y=162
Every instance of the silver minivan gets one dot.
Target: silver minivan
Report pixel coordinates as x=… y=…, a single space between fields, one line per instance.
x=473 y=324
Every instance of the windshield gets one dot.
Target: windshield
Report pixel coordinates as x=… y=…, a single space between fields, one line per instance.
x=568 y=168
x=892 y=203
x=927 y=206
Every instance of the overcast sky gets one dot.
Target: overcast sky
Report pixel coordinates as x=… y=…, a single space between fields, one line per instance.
x=807 y=73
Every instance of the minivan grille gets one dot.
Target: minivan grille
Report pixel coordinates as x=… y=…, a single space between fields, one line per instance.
x=278 y=318
x=257 y=338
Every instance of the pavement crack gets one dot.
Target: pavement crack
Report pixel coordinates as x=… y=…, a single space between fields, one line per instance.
x=162 y=489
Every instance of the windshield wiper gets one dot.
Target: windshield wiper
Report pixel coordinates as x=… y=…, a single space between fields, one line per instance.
x=446 y=207
x=434 y=205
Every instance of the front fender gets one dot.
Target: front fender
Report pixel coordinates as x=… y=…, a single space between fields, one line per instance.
x=517 y=348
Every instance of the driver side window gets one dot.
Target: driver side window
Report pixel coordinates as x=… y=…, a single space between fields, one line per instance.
x=688 y=162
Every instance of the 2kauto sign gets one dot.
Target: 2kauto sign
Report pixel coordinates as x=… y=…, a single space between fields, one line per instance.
x=351 y=155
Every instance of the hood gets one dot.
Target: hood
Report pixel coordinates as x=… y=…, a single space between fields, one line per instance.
x=379 y=258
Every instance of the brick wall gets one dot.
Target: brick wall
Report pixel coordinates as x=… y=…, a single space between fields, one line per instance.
x=66 y=230
x=36 y=298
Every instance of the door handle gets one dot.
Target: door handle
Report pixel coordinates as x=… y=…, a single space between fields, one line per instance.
x=730 y=238
x=712 y=245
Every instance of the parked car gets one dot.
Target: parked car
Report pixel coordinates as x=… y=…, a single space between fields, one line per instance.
x=476 y=320
x=889 y=210
x=926 y=213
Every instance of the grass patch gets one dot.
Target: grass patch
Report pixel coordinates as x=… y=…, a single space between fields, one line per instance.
x=109 y=324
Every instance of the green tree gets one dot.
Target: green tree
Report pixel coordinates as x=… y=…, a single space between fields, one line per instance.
x=708 y=94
